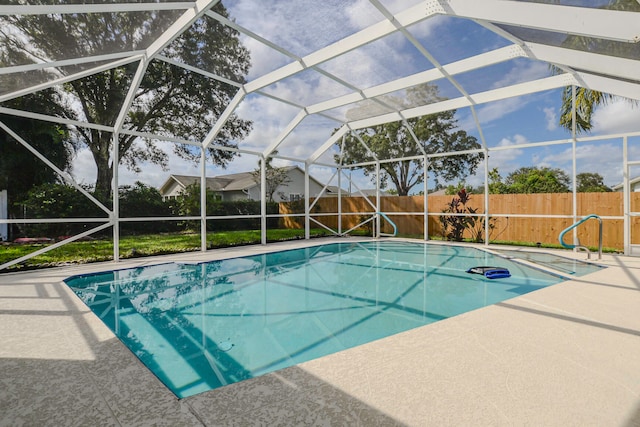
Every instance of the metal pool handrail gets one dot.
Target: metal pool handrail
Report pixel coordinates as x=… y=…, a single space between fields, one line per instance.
x=578 y=245
x=393 y=224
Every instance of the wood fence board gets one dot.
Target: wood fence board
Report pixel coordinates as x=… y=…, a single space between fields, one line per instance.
x=514 y=229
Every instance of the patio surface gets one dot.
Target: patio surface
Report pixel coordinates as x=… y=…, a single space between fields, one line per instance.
x=567 y=355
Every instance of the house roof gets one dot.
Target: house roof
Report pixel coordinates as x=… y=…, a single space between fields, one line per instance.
x=232 y=182
x=632 y=181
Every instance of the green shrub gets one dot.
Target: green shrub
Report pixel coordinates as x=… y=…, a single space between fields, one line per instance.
x=188 y=204
x=455 y=226
x=140 y=200
x=50 y=200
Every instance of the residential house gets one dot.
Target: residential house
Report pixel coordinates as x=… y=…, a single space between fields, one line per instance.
x=245 y=186
x=634 y=185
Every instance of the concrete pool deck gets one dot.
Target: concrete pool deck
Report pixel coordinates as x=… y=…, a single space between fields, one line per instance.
x=567 y=355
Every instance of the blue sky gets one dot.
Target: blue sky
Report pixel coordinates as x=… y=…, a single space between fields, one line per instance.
x=527 y=119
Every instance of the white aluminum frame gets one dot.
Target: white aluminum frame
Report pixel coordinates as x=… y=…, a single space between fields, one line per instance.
x=605 y=73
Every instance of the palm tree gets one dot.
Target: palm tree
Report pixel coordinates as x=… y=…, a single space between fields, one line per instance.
x=587 y=99
x=586 y=102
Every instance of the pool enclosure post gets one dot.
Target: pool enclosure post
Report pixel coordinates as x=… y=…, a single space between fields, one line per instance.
x=574 y=198
x=339 y=200
x=378 y=219
x=425 y=192
x=263 y=200
x=307 y=234
x=203 y=199
x=117 y=127
x=344 y=139
x=486 y=196
x=425 y=176
x=626 y=197
x=115 y=207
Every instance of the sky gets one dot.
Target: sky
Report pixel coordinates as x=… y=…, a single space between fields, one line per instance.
x=527 y=119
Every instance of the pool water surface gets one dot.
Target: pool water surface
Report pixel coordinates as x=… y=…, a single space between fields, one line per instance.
x=198 y=327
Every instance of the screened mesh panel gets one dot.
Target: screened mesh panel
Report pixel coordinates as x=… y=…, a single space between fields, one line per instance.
x=303 y=26
x=594 y=4
x=21 y=79
x=396 y=6
x=451 y=39
x=517 y=70
x=307 y=87
x=65 y=36
x=581 y=43
x=378 y=62
x=269 y=118
x=79 y=2
x=307 y=136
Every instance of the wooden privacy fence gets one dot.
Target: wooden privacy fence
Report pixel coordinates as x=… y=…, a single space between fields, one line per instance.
x=518 y=221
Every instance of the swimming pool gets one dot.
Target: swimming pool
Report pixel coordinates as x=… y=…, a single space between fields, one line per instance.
x=201 y=326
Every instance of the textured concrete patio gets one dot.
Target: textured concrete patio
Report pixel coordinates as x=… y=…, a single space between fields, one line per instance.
x=567 y=355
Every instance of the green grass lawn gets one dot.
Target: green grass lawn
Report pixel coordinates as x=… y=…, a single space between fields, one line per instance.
x=138 y=246
x=161 y=244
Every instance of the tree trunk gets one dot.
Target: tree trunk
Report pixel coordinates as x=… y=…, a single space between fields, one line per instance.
x=104 y=177
x=100 y=148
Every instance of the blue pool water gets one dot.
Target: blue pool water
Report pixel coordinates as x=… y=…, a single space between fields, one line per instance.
x=201 y=326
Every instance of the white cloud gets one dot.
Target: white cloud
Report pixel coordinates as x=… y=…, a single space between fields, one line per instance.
x=395 y=6
x=361 y=14
x=616 y=117
x=373 y=63
x=301 y=26
x=263 y=58
x=487 y=113
x=269 y=118
x=298 y=26
x=307 y=88
x=84 y=167
x=602 y=158
x=504 y=160
x=522 y=71
x=551 y=117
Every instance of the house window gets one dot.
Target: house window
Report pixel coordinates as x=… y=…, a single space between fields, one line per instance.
x=294 y=197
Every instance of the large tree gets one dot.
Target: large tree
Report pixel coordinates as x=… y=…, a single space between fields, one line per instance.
x=275 y=177
x=20 y=170
x=436 y=133
x=590 y=182
x=544 y=180
x=170 y=100
x=587 y=99
x=537 y=180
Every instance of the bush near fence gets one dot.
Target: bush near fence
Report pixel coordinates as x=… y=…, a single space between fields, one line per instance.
x=66 y=202
x=528 y=229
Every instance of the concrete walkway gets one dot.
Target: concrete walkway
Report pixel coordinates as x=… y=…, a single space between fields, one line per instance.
x=567 y=355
